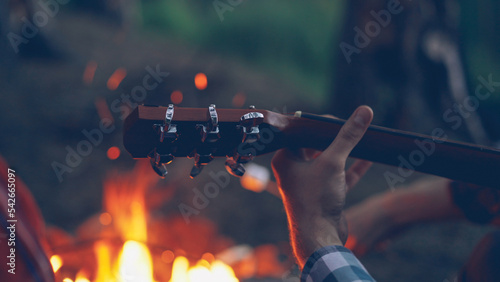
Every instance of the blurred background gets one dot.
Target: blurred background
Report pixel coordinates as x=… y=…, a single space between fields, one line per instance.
x=68 y=65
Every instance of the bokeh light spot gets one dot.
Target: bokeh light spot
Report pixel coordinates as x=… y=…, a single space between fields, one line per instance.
x=239 y=100
x=208 y=257
x=105 y=218
x=201 y=81
x=116 y=78
x=88 y=74
x=176 y=97
x=167 y=256
x=113 y=153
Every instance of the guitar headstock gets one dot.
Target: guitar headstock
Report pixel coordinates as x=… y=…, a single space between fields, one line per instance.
x=164 y=133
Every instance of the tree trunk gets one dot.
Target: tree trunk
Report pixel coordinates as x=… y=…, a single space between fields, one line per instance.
x=410 y=71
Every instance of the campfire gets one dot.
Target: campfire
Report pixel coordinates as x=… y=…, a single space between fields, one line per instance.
x=130 y=241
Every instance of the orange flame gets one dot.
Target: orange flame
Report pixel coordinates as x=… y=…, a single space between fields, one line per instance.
x=125 y=212
x=135 y=262
x=56 y=262
x=116 y=78
x=81 y=276
x=103 y=256
x=124 y=200
x=203 y=271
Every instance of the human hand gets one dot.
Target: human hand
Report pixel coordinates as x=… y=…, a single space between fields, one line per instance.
x=313 y=186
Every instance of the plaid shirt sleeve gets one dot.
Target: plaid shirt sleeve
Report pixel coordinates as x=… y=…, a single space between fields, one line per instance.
x=334 y=263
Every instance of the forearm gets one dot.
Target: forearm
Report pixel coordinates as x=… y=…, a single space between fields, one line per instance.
x=310 y=231
x=425 y=200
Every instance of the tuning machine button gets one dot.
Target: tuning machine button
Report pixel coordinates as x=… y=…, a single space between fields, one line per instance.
x=249 y=124
x=158 y=162
x=209 y=135
x=200 y=161
x=234 y=168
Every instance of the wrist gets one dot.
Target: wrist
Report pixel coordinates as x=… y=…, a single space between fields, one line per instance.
x=309 y=234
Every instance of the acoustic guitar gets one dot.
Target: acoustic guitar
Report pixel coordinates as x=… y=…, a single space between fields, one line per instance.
x=164 y=133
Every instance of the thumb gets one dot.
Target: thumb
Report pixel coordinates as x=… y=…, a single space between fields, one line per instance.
x=282 y=162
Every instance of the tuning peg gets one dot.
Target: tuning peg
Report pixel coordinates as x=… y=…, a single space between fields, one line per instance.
x=167 y=130
x=210 y=131
x=159 y=161
x=250 y=126
x=159 y=167
x=196 y=170
x=166 y=158
x=234 y=168
x=200 y=160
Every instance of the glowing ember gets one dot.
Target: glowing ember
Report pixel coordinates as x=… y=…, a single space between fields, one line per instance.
x=113 y=153
x=116 y=78
x=201 y=81
x=176 y=97
x=88 y=74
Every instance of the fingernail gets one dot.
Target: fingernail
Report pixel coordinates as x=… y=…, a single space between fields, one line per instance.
x=362 y=116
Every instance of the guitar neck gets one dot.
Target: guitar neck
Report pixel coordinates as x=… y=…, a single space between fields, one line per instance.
x=408 y=151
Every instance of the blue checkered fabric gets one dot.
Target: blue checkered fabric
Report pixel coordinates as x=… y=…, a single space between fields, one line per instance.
x=334 y=263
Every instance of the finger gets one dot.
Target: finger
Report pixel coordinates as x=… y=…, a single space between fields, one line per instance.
x=283 y=160
x=355 y=172
x=279 y=160
x=303 y=154
x=348 y=137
